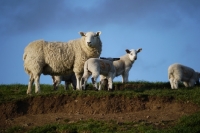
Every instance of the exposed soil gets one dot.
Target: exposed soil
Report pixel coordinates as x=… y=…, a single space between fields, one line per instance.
x=40 y=110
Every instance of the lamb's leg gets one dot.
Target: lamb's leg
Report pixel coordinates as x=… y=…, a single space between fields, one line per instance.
x=124 y=77
x=37 y=83
x=100 y=82
x=84 y=81
x=94 y=81
x=30 y=83
x=110 y=83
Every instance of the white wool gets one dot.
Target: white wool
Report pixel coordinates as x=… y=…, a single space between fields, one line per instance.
x=70 y=78
x=180 y=73
x=95 y=67
x=124 y=65
x=60 y=58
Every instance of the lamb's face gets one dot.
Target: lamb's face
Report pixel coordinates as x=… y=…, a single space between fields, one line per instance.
x=91 y=39
x=133 y=54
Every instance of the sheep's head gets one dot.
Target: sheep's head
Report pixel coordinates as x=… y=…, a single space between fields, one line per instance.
x=91 y=39
x=133 y=53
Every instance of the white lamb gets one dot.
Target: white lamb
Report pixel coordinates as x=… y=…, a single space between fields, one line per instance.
x=60 y=58
x=124 y=65
x=71 y=78
x=180 y=73
x=96 y=66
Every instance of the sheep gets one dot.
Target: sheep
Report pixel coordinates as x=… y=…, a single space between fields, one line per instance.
x=71 y=78
x=180 y=73
x=60 y=58
x=124 y=65
x=96 y=66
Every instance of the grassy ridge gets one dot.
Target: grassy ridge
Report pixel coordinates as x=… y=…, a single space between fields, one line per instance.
x=133 y=89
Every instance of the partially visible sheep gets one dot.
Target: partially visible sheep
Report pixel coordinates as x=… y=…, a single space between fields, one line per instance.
x=180 y=73
x=60 y=58
x=71 y=78
x=124 y=65
x=96 y=67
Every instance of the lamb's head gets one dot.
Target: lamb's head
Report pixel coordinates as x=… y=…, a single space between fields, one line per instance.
x=91 y=39
x=132 y=54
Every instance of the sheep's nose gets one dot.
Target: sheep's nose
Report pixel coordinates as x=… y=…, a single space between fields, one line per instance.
x=135 y=58
x=88 y=42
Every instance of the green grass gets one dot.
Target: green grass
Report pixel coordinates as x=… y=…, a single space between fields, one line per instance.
x=18 y=91
x=185 y=124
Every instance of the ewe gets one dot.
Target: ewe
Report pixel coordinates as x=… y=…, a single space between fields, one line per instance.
x=60 y=58
x=124 y=65
x=180 y=73
x=71 y=78
x=96 y=67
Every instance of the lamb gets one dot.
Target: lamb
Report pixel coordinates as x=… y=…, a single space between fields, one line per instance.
x=124 y=65
x=180 y=73
x=96 y=66
x=60 y=58
x=71 y=78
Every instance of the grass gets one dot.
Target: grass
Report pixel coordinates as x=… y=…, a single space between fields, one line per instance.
x=185 y=124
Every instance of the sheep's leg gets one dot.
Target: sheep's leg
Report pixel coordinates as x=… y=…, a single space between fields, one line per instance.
x=175 y=83
x=66 y=85
x=94 y=81
x=37 y=83
x=78 y=81
x=125 y=77
x=186 y=84
x=171 y=80
x=100 y=82
x=74 y=85
x=191 y=83
x=31 y=80
x=110 y=83
x=84 y=81
x=56 y=84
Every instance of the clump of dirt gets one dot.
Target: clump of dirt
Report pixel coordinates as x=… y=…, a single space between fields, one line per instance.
x=39 y=110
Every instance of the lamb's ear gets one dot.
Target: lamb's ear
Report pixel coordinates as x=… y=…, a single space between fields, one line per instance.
x=140 y=49
x=98 y=33
x=82 y=33
x=128 y=51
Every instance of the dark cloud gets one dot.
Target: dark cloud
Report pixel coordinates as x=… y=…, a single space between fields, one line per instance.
x=24 y=16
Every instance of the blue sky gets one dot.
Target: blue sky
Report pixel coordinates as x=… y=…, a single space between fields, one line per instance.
x=167 y=31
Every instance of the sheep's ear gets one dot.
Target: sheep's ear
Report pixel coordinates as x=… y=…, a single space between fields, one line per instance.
x=140 y=49
x=82 y=33
x=128 y=51
x=98 y=33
